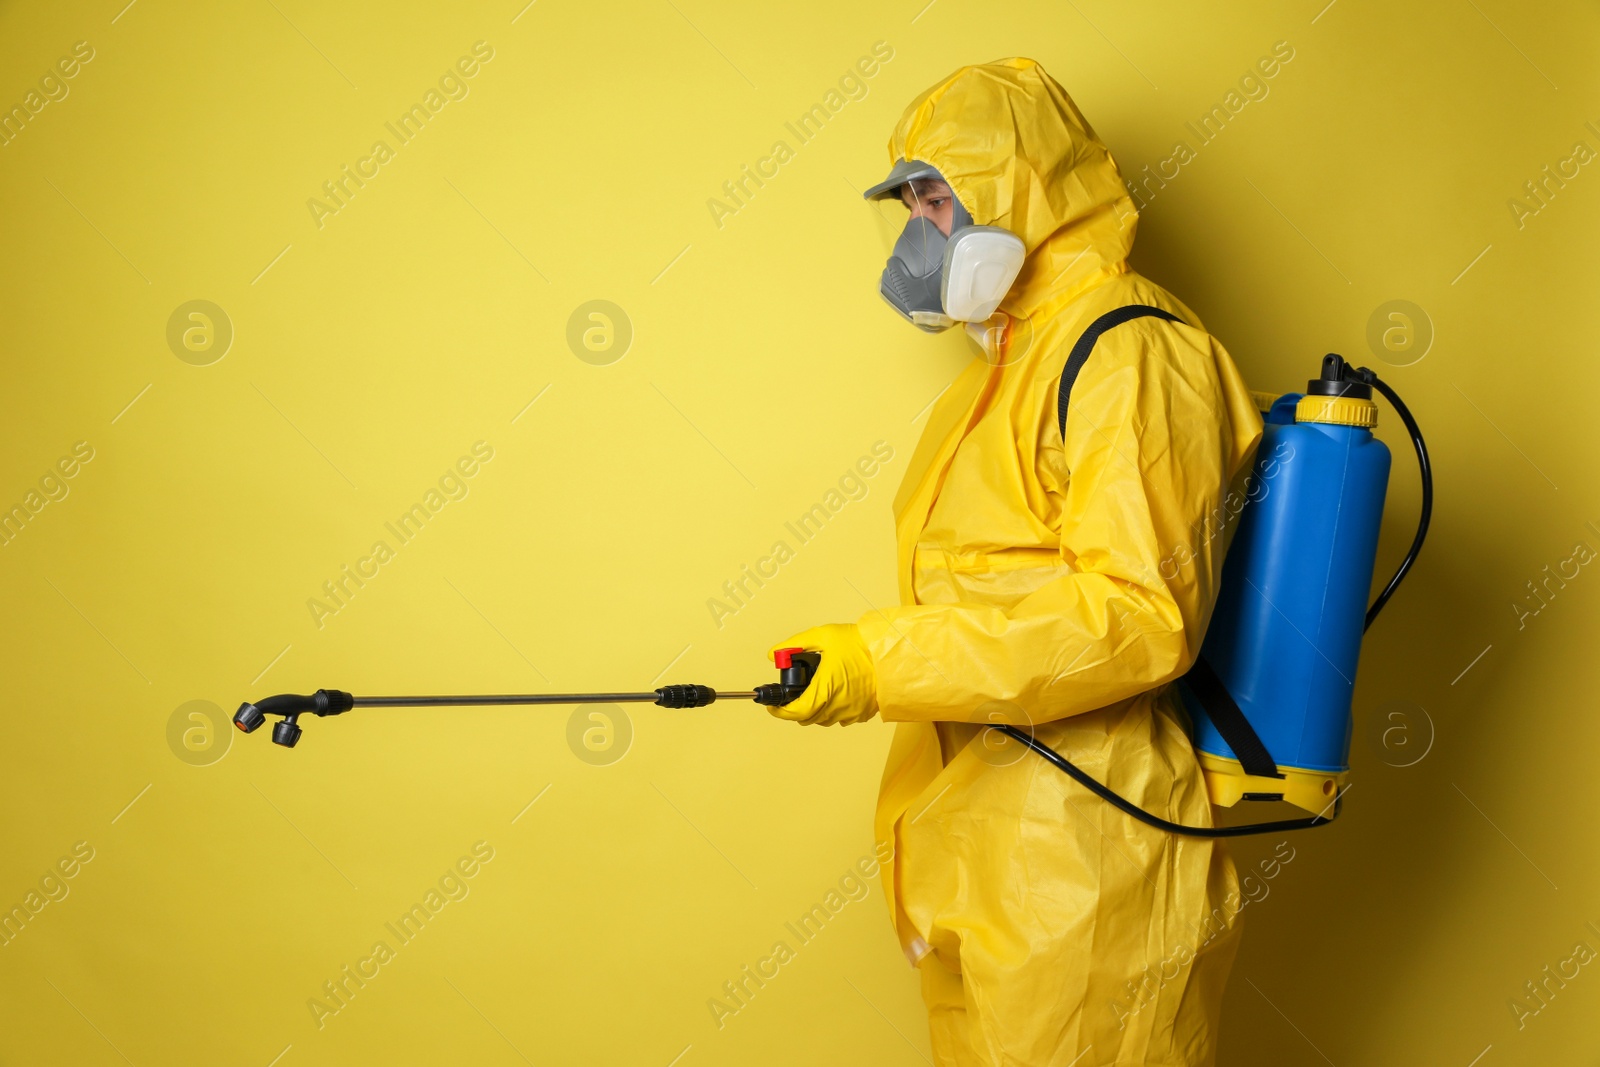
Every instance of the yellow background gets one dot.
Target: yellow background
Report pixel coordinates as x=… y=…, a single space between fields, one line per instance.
x=433 y=308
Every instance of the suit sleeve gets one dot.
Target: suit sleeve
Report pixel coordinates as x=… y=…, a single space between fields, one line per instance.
x=1158 y=426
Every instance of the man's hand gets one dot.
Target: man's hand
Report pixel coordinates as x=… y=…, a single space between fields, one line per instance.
x=844 y=689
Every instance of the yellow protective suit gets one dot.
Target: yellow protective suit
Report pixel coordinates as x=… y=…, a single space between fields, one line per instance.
x=1062 y=583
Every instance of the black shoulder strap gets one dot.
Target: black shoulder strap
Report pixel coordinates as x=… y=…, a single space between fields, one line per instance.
x=1201 y=679
x=1085 y=345
x=1230 y=721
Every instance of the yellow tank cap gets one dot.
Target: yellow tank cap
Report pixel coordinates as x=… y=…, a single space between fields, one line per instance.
x=1338 y=410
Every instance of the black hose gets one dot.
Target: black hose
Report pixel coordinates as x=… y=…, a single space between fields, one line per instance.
x=1128 y=807
x=1364 y=376
x=1425 y=469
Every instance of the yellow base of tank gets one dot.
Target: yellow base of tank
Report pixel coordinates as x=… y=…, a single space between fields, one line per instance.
x=1227 y=784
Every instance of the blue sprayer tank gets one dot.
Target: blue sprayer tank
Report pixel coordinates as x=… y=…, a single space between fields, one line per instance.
x=1285 y=635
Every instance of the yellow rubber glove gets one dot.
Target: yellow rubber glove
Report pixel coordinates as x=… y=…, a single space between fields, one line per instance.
x=844 y=689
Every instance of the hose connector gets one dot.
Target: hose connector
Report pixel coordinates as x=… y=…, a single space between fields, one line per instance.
x=685 y=696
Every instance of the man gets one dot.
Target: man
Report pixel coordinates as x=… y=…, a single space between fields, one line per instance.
x=1058 y=563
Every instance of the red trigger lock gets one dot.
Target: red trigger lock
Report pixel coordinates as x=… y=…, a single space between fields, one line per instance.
x=783 y=659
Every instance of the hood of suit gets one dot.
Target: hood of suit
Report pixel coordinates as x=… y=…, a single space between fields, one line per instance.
x=1018 y=154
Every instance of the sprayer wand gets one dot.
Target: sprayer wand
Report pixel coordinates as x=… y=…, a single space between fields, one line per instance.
x=795 y=669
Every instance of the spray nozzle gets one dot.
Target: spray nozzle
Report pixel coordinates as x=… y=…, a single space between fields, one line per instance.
x=251 y=717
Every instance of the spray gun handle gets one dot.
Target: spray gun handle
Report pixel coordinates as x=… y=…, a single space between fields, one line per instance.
x=796 y=667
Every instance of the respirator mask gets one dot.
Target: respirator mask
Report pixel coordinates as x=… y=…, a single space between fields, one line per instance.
x=936 y=281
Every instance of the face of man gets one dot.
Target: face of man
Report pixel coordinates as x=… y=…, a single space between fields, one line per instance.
x=932 y=199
